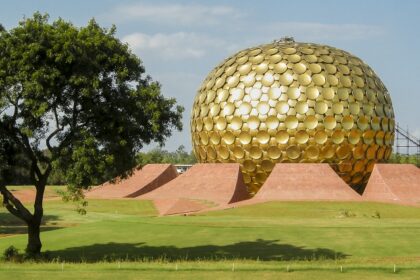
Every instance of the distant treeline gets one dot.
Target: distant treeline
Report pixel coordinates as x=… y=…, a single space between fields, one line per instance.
x=21 y=174
x=400 y=158
x=158 y=155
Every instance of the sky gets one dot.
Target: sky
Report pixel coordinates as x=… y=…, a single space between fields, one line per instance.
x=180 y=42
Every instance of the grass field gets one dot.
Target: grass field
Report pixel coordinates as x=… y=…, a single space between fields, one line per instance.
x=291 y=240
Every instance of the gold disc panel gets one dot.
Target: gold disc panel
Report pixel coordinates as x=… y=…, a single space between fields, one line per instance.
x=293 y=102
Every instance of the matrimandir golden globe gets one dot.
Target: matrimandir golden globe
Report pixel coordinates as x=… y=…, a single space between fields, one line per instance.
x=293 y=102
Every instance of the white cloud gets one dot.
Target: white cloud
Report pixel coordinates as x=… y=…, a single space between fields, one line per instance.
x=181 y=45
x=315 y=31
x=177 y=45
x=175 y=14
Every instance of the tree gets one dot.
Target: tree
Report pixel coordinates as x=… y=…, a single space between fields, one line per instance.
x=158 y=155
x=19 y=175
x=80 y=94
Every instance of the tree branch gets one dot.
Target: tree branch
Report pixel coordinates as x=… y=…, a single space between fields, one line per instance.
x=33 y=174
x=15 y=103
x=23 y=141
x=55 y=132
x=73 y=125
x=57 y=122
x=14 y=206
x=51 y=136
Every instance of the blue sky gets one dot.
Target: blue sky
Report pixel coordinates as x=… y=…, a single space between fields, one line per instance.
x=179 y=42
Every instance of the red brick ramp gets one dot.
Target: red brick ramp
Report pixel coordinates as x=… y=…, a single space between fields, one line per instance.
x=304 y=181
x=397 y=183
x=180 y=206
x=142 y=181
x=202 y=186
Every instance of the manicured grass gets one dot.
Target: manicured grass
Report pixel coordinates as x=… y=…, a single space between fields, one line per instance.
x=208 y=270
x=315 y=238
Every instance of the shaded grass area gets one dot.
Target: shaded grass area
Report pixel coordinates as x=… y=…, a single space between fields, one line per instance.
x=259 y=249
x=65 y=215
x=11 y=225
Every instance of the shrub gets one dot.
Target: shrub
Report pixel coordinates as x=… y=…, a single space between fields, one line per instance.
x=376 y=215
x=11 y=254
x=345 y=213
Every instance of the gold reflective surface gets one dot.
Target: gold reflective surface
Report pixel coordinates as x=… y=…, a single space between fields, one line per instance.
x=293 y=102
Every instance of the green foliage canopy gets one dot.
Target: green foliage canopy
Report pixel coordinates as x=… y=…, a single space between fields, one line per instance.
x=81 y=94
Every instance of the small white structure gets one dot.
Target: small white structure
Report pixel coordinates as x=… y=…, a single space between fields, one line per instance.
x=181 y=168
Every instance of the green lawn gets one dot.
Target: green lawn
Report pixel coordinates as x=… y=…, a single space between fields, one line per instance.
x=207 y=270
x=313 y=238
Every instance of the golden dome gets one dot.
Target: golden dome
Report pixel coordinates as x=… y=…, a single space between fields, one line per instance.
x=293 y=102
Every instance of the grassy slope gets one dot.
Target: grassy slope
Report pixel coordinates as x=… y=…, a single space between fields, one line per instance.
x=271 y=231
x=127 y=229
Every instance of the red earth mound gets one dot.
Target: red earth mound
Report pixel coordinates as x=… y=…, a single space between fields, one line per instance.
x=398 y=183
x=302 y=182
x=142 y=181
x=202 y=186
x=305 y=181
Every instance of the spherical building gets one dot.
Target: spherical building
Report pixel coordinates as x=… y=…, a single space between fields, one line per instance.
x=293 y=102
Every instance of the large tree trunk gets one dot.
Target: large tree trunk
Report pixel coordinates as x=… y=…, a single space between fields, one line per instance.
x=34 y=241
x=33 y=222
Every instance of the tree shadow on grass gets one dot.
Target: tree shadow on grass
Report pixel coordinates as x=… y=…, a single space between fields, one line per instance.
x=10 y=225
x=12 y=230
x=7 y=219
x=264 y=250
